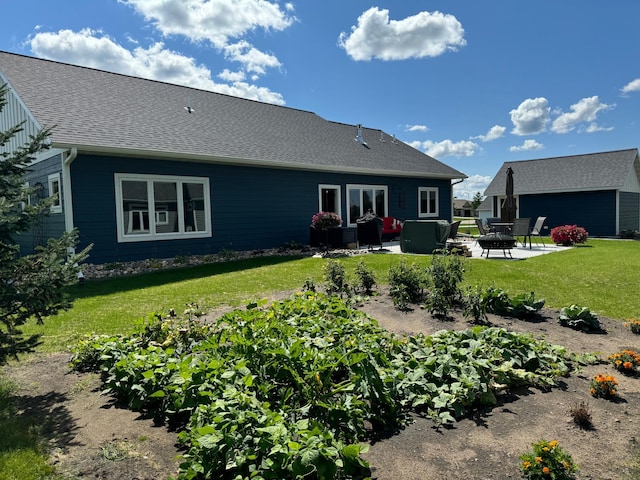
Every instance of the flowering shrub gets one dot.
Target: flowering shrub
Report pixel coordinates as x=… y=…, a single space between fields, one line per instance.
x=634 y=325
x=547 y=461
x=603 y=386
x=626 y=361
x=568 y=235
x=325 y=220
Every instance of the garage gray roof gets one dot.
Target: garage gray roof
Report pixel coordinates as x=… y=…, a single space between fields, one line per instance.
x=593 y=171
x=102 y=112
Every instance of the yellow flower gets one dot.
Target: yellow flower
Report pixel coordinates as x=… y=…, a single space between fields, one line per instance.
x=526 y=464
x=546 y=449
x=553 y=443
x=538 y=459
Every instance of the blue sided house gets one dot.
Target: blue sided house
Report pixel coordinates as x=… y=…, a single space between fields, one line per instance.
x=597 y=191
x=146 y=169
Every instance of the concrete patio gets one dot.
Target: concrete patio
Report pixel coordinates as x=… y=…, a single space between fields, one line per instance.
x=517 y=253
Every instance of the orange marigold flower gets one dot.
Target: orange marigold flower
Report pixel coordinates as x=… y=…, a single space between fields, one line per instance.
x=553 y=443
x=538 y=459
x=546 y=470
x=618 y=362
x=627 y=365
x=526 y=464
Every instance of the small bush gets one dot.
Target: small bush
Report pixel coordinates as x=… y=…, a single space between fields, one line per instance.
x=581 y=415
x=547 y=460
x=366 y=279
x=579 y=318
x=335 y=277
x=406 y=284
x=443 y=278
x=472 y=305
x=568 y=235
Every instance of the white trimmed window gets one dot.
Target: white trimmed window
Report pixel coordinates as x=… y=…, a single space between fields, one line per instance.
x=427 y=202
x=363 y=198
x=55 y=193
x=329 y=199
x=159 y=207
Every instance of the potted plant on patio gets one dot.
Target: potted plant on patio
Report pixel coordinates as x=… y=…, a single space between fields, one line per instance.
x=325 y=230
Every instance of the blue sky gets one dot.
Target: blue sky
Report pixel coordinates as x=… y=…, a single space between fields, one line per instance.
x=472 y=83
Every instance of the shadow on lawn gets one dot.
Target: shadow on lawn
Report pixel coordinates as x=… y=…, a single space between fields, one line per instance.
x=92 y=288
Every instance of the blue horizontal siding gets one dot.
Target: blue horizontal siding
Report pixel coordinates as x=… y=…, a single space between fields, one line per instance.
x=594 y=211
x=252 y=208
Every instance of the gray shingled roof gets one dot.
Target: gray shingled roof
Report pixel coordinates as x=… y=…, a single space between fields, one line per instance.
x=98 y=111
x=593 y=171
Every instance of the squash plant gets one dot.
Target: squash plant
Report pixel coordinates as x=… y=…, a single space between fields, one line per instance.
x=292 y=390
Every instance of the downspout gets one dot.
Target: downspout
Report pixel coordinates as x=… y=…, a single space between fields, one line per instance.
x=67 y=197
x=66 y=188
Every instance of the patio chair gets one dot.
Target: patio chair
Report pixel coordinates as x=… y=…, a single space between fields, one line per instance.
x=453 y=230
x=537 y=230
x=521 y=228
x=481 y=230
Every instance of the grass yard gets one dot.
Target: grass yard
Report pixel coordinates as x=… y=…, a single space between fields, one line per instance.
x=602 y=275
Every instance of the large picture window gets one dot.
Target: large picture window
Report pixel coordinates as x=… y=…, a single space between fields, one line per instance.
x=363 y=198
x=427 y=202
x=161 y=207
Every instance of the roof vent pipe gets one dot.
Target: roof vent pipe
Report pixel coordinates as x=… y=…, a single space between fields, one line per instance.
x=359 y=138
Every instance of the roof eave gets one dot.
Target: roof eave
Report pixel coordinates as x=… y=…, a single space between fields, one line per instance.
x=166 y=155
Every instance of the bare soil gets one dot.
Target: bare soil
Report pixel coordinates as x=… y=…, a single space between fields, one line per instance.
x=91 y=436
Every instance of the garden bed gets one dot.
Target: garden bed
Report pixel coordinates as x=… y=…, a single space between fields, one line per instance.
x=94 y=438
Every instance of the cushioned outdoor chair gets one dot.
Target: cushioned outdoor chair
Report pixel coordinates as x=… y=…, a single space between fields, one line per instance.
x=537 y=230
x=491 y=221
x=521 y=228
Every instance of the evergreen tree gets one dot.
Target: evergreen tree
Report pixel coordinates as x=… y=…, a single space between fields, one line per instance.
x=32 y=286
x=477 y=200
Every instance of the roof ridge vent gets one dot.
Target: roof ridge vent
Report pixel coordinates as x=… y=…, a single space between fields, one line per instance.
x=359 y=138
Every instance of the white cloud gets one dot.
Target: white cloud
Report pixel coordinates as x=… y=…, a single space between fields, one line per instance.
x=92 y=48
x=632 y=86
x=526 y=146
x=229 y=76
x=417 y=128
x=253 y=59
x=495 y=132
x=423 y=35
x=531 y=116
x=593 y=127
x=218 y=21
x=584 y=111
x=446 y=148
x=214 y=20
x=470 y=186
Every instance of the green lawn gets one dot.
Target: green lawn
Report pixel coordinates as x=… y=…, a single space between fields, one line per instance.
x=602 y=275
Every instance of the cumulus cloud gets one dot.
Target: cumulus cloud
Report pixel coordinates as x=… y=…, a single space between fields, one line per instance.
x=422 y=35
x=417 y=128
x=471 y=185
x=495 y=132
x=632 y=86
x=586 y=110
x=531 y=116
x=219 y=21
x=446 y=148
x=214 y=20
x=94 y=49
x=253 y=59
x=526 y=146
